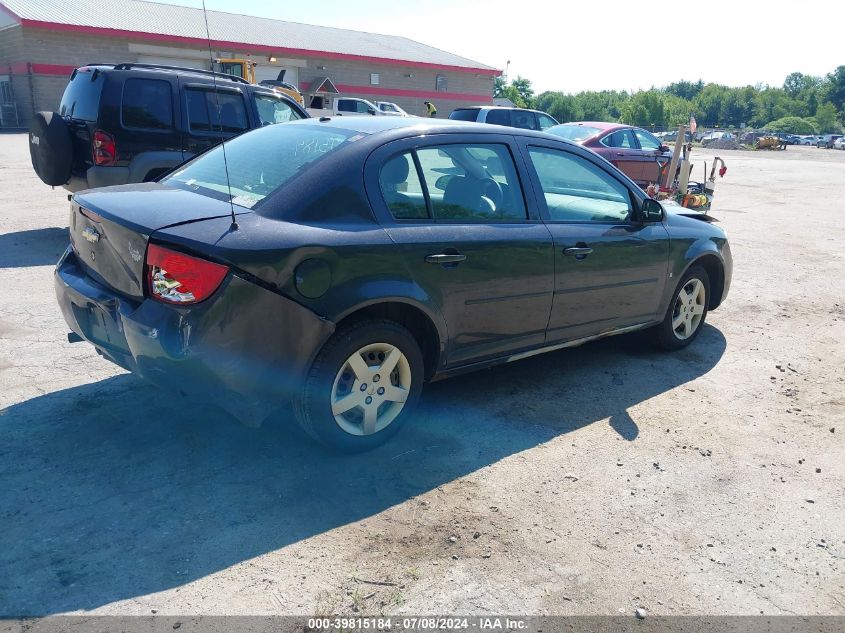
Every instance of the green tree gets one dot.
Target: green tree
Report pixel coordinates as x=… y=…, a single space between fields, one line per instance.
x=524 y=89
x=834 y=88
x=792 y=125
x=826 y=118
x=685 y=89
x=644 y=108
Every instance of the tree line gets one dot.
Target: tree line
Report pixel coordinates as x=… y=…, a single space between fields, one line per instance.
x=804 y=104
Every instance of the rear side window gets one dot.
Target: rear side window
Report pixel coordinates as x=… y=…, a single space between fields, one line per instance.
x=81 y=99
x=402 y=189
x=464 y=183
x=210 y=112
x=620 y=138
x=499 y=117
x=464 y=115
x=147 y=104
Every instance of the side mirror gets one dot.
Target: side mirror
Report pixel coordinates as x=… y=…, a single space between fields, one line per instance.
x=371 y=111
x=652 y=211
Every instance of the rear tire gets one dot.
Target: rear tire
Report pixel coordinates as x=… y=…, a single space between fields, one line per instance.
x=350 y=401
x=50 y=148
x=687 y=311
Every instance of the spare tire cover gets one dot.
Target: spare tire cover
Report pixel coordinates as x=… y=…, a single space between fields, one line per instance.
x=50 y=148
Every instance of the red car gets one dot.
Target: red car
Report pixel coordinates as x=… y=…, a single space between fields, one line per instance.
x=637 y=153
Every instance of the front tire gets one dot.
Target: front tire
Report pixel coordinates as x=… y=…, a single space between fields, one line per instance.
x=687 y=311
x=362 y=387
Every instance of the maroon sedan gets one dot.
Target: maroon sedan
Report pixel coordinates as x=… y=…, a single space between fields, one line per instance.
x=639 y=154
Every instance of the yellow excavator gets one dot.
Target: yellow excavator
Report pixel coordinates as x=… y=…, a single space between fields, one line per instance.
x=245 y=68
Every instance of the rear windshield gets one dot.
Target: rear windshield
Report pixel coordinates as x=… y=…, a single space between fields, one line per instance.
x=259 y=162
x=464 y=115
x=81 y=99
x=574 y=132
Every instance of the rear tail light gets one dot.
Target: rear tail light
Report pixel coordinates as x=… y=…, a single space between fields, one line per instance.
x=174 y=277
x=103 y=148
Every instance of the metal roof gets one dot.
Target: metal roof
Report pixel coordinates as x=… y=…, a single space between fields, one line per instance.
x=165 y=20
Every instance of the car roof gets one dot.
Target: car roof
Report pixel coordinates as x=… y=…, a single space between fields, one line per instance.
x=601 y=125
x=492 y=107
x=416 y=125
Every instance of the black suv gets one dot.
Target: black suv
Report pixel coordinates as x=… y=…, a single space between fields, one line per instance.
x=129 y=123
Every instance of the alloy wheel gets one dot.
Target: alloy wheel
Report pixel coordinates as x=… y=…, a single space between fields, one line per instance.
x=689 y=309
x=371 y=389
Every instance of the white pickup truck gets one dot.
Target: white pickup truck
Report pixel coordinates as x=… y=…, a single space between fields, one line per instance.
x=352 y=106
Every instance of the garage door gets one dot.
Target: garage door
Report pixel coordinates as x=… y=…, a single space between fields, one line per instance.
x=174 y=61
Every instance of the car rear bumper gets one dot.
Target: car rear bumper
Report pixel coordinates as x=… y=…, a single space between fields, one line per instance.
x=245 y=349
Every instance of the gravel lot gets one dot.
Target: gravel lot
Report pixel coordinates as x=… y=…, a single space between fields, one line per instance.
x=588 y=481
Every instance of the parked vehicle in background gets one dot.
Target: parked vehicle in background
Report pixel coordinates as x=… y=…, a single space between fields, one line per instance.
x=716 y=135
x=839 y=143
x=358 y=241
x=127 y=123
x=671 y=137
x=636 y=152
x=827 y=140
x=351 y=106
x=807 y=139
x=500 y=115
x=390 y=108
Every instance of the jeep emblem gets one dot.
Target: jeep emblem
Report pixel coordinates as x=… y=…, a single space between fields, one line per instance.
x=34 y=140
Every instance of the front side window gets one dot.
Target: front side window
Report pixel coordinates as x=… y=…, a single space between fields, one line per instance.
x=274 y=110
x=576 y=190
x=210 y=111
x=545 y=121
x=524 y=119
x=647 y=141
x=147 y=104
x=462 y=182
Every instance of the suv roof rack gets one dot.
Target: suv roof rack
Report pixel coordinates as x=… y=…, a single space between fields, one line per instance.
x=210 y=73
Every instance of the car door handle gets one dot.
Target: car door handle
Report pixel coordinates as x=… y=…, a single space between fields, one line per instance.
x=620 y=153
x=445 y=258
x=578 y=250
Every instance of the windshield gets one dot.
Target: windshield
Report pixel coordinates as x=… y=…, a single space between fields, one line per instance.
x=573 y=132
x=259 y=162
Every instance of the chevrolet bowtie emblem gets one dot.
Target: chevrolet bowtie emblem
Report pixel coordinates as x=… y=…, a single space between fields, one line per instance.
x=91 y=235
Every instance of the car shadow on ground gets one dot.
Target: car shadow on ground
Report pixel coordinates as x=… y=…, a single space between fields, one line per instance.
x=37 y=247
x=116 y=489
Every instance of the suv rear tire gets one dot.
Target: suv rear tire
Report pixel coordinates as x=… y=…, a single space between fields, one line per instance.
x=347 y=402
x=50 y=148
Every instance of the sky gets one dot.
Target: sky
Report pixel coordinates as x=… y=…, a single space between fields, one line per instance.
x=615 y=45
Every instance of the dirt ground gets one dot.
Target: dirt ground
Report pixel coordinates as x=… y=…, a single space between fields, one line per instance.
x=588 y=481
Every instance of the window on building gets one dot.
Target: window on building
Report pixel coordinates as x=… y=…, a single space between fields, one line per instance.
x=5 y=91
x=374 y=79
x=147 y=104
x=441 y=84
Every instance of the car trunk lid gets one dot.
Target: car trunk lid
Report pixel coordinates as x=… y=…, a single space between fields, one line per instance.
x=110 y=228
